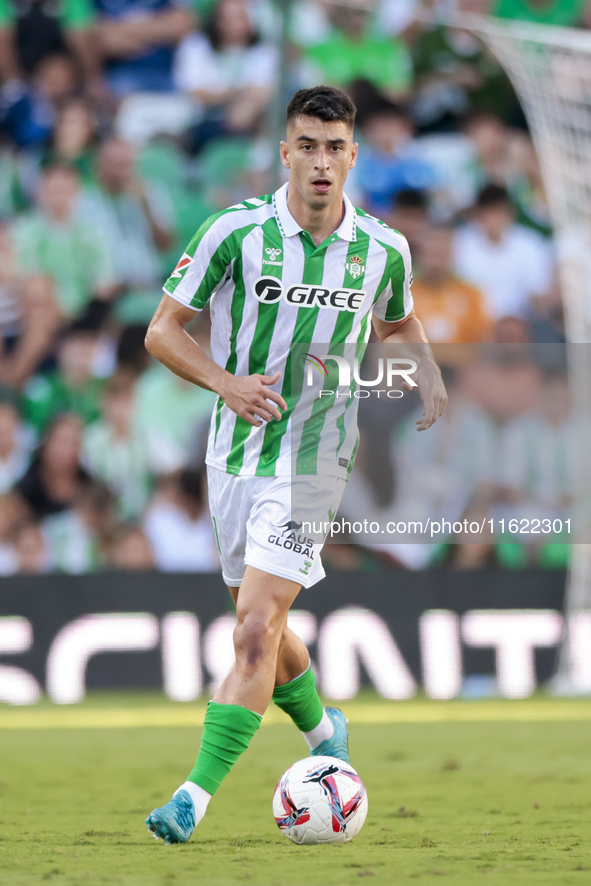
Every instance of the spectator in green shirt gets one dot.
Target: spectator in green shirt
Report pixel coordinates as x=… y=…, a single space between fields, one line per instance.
x=454 y=74
x=564 y=13
x=77 y=537
x=51 y=240
x=71 y=388
x=172 y=416
x=116 y=452
x=132 y=218
x=354 y=53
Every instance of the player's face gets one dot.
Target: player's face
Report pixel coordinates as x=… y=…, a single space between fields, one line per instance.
x=319 y=156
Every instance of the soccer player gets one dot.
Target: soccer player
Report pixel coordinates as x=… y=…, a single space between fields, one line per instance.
x=300 y=265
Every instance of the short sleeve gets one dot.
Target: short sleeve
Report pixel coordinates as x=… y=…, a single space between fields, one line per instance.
x=394 y=300
x=203 y=267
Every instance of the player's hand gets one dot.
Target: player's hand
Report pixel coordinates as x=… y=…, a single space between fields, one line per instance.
x=251 y=397
x=432 y=392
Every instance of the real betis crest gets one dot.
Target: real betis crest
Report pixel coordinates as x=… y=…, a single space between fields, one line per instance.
x=355 y=266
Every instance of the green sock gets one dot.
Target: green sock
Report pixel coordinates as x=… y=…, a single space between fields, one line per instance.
x=227 y=731
x=299 y=699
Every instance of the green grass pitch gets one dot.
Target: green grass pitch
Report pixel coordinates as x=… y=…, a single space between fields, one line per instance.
x=473 y=799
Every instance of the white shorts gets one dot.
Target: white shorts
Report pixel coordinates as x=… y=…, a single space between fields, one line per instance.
x=254 y=525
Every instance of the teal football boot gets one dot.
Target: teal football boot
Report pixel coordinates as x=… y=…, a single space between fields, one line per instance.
x=175 y=822
x=338 y=745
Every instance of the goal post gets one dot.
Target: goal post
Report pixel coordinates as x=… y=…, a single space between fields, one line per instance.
x=550 y=69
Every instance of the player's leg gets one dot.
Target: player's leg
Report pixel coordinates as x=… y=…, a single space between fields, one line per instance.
x=235 y=713
x=291 y=550
x=261 y=614
x=253 y=526
x=324 y=729
x=293 y=658
x=295 y=693
x=295 y=687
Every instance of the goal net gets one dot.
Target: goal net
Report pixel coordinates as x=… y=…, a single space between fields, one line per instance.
x=551 y=71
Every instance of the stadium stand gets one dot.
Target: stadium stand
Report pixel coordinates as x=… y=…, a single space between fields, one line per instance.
x=92 y=223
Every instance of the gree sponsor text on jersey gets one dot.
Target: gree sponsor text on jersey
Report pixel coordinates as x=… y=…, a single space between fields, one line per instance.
x=305 y=295
x=270 y=287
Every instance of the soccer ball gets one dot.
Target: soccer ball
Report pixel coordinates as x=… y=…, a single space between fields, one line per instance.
x=320 y=800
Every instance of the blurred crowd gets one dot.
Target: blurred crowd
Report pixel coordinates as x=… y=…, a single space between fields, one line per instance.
x=123 y=125
x=506 y=457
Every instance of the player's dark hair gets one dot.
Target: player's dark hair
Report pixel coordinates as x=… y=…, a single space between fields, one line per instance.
x=329 y=104
x=493 y=195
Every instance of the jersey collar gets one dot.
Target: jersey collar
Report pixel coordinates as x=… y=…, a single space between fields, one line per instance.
x=289 y=227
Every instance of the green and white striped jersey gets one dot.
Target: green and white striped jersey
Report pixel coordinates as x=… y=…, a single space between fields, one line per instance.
x=271 y=288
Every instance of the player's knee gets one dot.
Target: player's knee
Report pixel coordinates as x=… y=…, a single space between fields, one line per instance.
x=255 y=637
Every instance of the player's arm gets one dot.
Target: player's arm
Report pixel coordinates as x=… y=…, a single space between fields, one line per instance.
x=409 y=331
x=250 y=396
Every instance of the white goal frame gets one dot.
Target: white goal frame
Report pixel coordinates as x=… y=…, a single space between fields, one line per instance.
x=550 y=68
